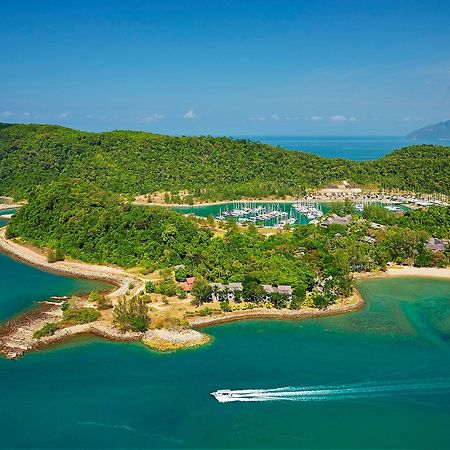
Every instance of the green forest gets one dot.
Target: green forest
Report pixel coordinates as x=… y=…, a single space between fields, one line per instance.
x=212 y=168
x=79 y=220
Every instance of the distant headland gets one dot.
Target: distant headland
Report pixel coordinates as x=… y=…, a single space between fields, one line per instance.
x=436 y=132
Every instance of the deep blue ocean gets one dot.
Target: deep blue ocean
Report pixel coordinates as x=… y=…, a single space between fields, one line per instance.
x=349 y=147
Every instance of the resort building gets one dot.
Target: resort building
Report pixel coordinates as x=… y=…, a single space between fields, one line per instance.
x=435 y=245
x=187 y=284
x=341 y=190
x=334 y=219
x=282 y=289
x=232 y=288
x=229 y=291
x=376 y=226
x=369 y=239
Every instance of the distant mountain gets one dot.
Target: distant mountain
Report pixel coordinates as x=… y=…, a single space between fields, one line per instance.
x=435 y=132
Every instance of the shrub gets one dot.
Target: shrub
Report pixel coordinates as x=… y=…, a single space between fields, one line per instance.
x=149 y=287
x=94 y=297
x=225 y=306
x=80 y=315
x=320 y=301
x=168 y=288
x=47 y=330
x=54 y=255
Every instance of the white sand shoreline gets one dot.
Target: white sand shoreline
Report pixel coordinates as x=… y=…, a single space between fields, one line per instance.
x=118 y=277
x=428 y=272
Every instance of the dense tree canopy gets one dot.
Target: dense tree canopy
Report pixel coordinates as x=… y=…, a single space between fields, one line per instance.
x=208 y=167
x=97 y=226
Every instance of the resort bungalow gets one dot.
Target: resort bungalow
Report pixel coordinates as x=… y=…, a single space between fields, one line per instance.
x=435 y=245
x=334 y=219
x=232 y=290
x=369 y=239
x=225 y=291
x=376 y=226
x=218 y=291
x=282 y=289
x=187 y=284
x=286 y=290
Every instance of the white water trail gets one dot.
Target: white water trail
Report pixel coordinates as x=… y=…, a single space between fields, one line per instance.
x=333 y=392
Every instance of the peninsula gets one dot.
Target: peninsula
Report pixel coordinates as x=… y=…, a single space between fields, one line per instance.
x=82 y=213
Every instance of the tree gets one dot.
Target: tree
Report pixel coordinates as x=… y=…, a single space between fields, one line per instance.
x=131 y=314
x=181 y=274
x=201 y=291
x=149 y=287
x=252 y=289
x=320 y=301
x=278 y=299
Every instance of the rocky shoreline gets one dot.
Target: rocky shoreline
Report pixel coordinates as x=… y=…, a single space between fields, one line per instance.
x=16 y=335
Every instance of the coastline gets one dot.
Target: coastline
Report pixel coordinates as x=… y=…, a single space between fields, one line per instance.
x=406 y=271
x=16 y=335
x=425 y=272
x=352 y=303
x=117 y=277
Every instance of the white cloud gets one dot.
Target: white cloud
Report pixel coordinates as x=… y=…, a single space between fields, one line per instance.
x=411 y=119
x=26 y=114
x=154 y=118
x=316 y=118
x=257 y=119
x=191 y=115
x=338 y=118
x=352 y=119
x=275 y=117
x=64 y=115
x=8 y=114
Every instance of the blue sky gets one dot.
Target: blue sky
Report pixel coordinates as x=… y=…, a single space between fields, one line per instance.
x=227 y=67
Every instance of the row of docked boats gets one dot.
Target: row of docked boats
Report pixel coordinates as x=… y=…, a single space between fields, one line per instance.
x=310 y=210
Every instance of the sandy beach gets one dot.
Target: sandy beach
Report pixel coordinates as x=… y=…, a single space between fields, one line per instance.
x=431 y=272
x=118 y=277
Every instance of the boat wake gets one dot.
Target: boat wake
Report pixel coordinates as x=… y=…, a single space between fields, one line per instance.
x=332 y=392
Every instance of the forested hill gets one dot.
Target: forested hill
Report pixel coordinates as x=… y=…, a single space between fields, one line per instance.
x=216 y=168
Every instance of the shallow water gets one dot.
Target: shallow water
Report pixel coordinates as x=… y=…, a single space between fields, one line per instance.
x=22 y=285
x=92 y=393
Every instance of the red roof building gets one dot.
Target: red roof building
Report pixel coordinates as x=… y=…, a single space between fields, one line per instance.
x=187 y=284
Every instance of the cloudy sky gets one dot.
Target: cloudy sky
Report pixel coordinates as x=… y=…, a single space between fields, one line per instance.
x=299 y=67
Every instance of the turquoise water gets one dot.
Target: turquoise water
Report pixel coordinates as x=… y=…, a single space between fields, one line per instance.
x=5 y=211
x=21 y=285
x=96 y=394
x=349 y=147
x=215 y=210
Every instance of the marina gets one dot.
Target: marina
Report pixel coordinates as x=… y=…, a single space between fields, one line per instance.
x=311 y=208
